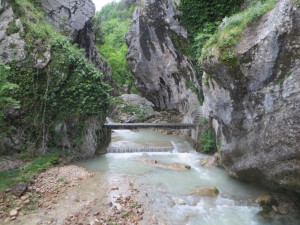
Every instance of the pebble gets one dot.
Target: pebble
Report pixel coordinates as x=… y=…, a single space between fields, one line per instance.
x=24 y=197
x=154 y=220
x=13 y=212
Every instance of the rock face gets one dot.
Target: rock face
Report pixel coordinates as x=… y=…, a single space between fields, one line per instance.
x=74 y=18
x=255 y=105
x=11 y=43
x=69 y=16
x=132 y=108
x=164 y=74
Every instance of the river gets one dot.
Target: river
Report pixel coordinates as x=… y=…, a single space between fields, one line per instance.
x=166 y=193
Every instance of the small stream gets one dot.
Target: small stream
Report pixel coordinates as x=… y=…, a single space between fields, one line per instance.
x=167 y=191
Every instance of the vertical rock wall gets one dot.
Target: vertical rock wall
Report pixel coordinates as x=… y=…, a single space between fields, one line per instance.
x=255 y=105
x=164 y=74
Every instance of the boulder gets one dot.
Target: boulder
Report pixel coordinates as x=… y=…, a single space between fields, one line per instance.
x=132 y=108
x=19 y=189
x=211 y=161
x=254 y=104
x=8 y=163
x=13 y=213
x=265 y=200
x=164 y=74
x=205 y=191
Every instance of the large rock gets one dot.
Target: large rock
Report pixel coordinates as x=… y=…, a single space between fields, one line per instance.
x=132 y=108
x=165 y=76
x=255 y=105
x=74 y=18
x=9 y=163
x=19 y=189
x=69 y=16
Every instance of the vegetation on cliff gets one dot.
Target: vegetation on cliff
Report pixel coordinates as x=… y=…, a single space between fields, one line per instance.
x=112 y=24
x=69 y=89
x=202 y=18
x=230 y=32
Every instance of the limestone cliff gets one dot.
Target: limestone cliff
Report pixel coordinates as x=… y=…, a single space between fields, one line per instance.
x=12 y=45
x=164 y=74
x=61 y=100
x=74 y=18
x=255 y=105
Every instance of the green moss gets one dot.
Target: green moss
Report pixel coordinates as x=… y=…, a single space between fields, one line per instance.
x=180 y=43
x=12 y=28
x=25 y=173
x=230 y=33
x=229 y=58
x=297 y=3
x=12 y=45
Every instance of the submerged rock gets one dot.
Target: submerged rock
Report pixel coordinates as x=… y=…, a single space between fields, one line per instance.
x=172 y=166
x=254 y=104
x=205 y=191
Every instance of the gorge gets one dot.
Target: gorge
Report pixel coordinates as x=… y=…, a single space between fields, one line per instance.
x=230 y=67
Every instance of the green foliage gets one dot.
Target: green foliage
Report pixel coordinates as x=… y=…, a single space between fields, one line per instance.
x=68 y=89
x=208 y=141
x=202 y=17
x=230 y=32
x=112 y=24
x=181 y=43
x=12 y=28
x=297 y=3
x=26 y=172
x=6 y=89
x=12 y=45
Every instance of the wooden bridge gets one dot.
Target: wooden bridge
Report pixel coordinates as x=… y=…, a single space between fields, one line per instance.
x=125 y=126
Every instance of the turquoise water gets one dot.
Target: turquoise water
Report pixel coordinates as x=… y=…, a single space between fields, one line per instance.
x=169 y=189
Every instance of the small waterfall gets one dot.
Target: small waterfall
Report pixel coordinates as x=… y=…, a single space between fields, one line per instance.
x=138 y=149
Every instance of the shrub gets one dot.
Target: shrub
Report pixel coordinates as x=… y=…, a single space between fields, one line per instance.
x=208 y=141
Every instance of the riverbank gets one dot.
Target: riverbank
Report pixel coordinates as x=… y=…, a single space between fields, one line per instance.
x=140 y=188
x=72 y=195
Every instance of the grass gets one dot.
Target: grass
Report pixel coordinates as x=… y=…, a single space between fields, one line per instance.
x=12 y=28
x=26 y=172
x=230 y=33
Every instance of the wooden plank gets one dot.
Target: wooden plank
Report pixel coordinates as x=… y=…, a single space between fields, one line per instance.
x=118 y=126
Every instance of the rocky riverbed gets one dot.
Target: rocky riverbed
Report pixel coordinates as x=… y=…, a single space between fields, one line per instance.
x=72 y=195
